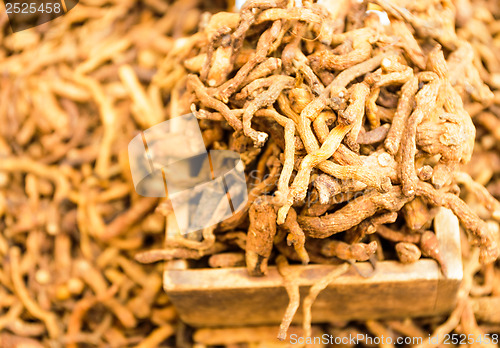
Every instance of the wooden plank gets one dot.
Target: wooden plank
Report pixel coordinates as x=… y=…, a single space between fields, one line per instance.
x=449 y=244
x=229 y=297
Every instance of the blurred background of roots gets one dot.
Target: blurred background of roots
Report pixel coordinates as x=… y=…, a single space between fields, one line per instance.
x=73 y=93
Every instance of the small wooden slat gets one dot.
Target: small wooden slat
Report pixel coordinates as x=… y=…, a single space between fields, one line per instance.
x=449 y=244
x=229 y=297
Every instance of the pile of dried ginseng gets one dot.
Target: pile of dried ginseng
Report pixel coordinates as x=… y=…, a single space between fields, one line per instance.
x=353 y=120
x=73 y=93
x=477 y=25
x=346 y=120
x=352 y=116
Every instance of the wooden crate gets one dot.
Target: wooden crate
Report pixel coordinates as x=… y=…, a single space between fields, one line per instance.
x=229 y=297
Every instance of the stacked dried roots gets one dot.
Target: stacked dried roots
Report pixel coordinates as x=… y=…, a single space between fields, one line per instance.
x=359 y=125
x=71 y=98
x=478 y=23
x=362 y=119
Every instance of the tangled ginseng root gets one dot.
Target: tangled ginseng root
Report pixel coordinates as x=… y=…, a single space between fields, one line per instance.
x=351 y=125
x=375 y=122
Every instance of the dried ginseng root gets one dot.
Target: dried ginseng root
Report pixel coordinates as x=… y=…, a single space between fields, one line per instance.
x=296 y=236
x=261 y=234
x=430 y=247
x=314 y=292
x=408 y=252
x=478 y=229
x=290 y=280
x=480 y=192
x=344 y=251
